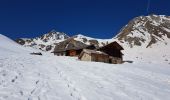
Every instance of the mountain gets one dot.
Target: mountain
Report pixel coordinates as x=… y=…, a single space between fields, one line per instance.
x=146 y=38
x=142 y=30
x=45 y=42
x=145 y=31
x=142 y=36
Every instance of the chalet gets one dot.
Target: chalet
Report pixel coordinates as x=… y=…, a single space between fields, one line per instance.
x=110 y=53
x=70 y=47
x=92 y=55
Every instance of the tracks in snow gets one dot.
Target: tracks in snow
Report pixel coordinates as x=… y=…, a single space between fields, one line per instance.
x=74 y=92
x=42 y=82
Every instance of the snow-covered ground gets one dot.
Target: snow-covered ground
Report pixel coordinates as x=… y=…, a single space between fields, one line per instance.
x=30 y=77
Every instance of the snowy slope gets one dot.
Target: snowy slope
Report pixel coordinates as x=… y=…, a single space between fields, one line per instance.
x=48 y=77
x=158 y=53
x=9 y=46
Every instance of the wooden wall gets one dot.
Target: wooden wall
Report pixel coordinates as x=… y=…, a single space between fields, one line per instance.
x=112 y=52
x=100 y=58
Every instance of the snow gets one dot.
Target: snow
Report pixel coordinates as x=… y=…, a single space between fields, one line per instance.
x=155 y=23
x=165 y=17
x=7 y=46
x=156 y=53
x=80 y=38
x=166 y=29
x=49 y=77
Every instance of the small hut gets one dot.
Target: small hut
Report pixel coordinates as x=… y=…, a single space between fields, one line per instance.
x=92 y=55
x=114 y=51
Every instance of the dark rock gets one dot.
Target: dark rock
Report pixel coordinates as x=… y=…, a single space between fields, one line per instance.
x=94 y=42
x=48 y=48
x=36 y=53
x=20 y=41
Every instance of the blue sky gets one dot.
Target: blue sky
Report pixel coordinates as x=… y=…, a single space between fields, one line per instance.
x=95 y=18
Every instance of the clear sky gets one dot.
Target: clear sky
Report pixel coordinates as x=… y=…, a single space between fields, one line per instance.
x=95 y=18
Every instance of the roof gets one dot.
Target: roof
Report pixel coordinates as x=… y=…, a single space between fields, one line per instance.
x=113 y=45
x=69 y=44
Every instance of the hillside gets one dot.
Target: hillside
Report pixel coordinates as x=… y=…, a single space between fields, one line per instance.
x=48 y=77
x=9 y=46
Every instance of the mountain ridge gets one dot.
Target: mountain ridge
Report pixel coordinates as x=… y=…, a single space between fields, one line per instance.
x=142 y=31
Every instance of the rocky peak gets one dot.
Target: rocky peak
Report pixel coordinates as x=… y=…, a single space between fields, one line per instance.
x=45 y=42
x=53 y=36
x=145 y=30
